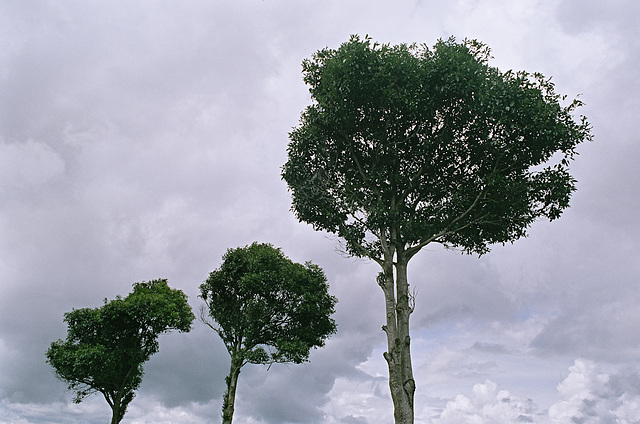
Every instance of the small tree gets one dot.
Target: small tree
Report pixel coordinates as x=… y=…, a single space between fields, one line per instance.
x=106 y=346
x=266 y=309
x=404 y=146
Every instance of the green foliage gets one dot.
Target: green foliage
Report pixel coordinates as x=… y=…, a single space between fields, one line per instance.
x=405 y=145
x=267 y=308
x=106 y=346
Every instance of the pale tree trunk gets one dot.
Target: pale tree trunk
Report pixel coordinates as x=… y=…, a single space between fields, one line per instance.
x=398 y=355
x=230 y=395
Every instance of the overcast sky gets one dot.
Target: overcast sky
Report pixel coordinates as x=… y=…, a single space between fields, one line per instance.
x=141 y=139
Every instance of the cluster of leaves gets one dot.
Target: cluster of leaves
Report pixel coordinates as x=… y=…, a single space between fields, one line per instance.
x=267 y=308
x=106 y=346
x=433 y=145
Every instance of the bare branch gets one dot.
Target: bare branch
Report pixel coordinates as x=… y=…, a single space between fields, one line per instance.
x=205 y=320
x=412 y=299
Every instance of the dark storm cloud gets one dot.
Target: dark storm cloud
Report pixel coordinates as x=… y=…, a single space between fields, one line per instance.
x=188 y=368
x=121 y=185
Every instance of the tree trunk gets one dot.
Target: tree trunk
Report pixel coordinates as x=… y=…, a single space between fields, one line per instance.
x=398 y=355
x=115 y=402
x=230 y=395
x=116 y=416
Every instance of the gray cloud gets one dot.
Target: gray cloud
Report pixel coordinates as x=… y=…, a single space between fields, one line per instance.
x=140 y=141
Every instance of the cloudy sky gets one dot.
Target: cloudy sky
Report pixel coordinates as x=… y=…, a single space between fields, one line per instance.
x=141 y=139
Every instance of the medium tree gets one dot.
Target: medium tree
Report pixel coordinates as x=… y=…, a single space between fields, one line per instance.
x=266 y=309
x=404 y=146
x=106 y=346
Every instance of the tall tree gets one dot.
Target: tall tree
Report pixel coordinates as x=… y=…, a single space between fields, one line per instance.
x=106 y=347
x=266 y=309
x=404 y=146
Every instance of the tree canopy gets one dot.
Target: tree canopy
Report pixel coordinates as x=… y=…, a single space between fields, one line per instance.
x=406 y=145
x=106 y=347
x=435 y=144
x=266 y=309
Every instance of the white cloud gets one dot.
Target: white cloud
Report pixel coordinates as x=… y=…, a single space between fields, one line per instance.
x=588 y=395
x=487 y=405
x=580 y=390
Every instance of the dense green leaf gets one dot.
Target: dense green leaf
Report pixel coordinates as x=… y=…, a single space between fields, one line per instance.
x=267 y=308
x=106 y=347
x=404 y=146
x=434 y=143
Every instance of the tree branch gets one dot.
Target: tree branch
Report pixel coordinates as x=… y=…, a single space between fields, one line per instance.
x=447 y=230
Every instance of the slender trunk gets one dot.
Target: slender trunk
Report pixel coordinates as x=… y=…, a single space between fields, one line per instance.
x=119 y=399
x=115 y=403
x=398 y=355
x=230 y=395
x=116 y=416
